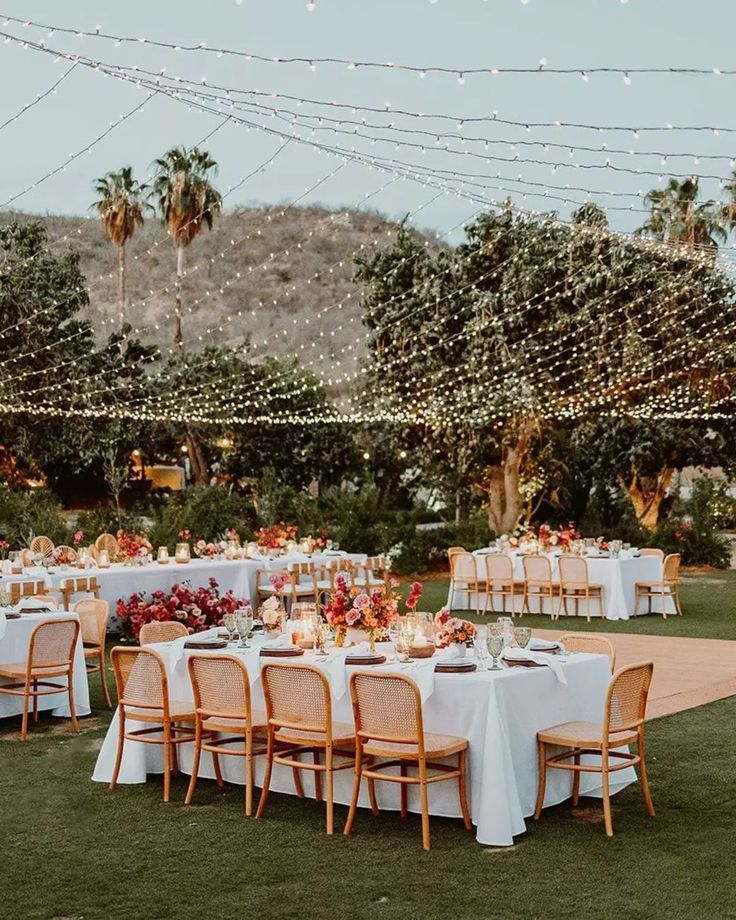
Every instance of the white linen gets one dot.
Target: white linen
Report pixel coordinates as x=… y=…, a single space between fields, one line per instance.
x=499 y=712
x=14 y=645
x=524 y=654
x=617 y=576
x=3 y=624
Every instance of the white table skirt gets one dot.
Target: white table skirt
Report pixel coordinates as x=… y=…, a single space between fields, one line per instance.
x=617 y=576
x=120 y=581
x=498 y=712
x=14 y=648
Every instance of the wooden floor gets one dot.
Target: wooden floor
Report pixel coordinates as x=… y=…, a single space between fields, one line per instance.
x=687 y=672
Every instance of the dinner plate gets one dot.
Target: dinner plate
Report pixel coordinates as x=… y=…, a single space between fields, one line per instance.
x=281 y=652
x=454 y=667
x=365 y=659
x=206 y=644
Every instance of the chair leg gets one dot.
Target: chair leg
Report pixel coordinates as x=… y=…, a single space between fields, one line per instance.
x=605 y=776
x=358 y=775
x=103 y=679
x=266 y=776
x=195 y=763
x=404 y=790
x=167 y=761
x=424 y=799
x=372 y=791
x=542 y=779
x=297 y=774
x=72 y=708
x=174 y=758
x=643 y=778
x=576 y=782
x=329 y=778
x=462 y=790
x=121 y=744
x=249 y=777
x=34 y=691
x=317 y=777
x=24 y=720
x=678 y=608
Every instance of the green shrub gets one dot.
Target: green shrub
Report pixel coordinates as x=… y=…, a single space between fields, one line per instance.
x=105 y=520
x=693 y=530
x=24 y=515
x=206 y=512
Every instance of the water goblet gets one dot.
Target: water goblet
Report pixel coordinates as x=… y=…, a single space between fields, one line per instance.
x=229 y=621
x=6 y=598
x=480 y=640
x=495 y=643
x=522 y=636
x=244 y=624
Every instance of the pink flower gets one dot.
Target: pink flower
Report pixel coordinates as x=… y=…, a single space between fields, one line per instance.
x=78 y=537
x=352 y=617
x=361 y=602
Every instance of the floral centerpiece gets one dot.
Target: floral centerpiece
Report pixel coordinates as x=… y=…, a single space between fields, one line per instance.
x=132 y=545
x=453 y=631
x=276 y=536
x=4 y=547
x=197 y=608
x=368 y=612
x=544 y=538
x=63 y=555
x=206 y=550
x=601 y=544
x=272 y=615
x=78 y=537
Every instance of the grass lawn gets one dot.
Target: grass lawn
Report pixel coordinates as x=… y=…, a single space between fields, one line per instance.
x=75 y=850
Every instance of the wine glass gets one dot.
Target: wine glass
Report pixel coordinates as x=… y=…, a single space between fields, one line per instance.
x=335 y=545
x=480 y=640
x=6 y=598
x=320 y=631
x=495 y=642
x=394 y=637
x=229 y=621
x=522 y=636
x=244 y=624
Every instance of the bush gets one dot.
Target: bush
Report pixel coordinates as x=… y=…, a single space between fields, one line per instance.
x=206 y=512
x=694 y=531
x=105 y=520
x=24 y=515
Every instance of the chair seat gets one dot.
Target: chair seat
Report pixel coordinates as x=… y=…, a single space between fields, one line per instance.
x=179 y=710
x=654 y=587
x=91 y=650
x=435 y=745
x=497 y=586
x=593 y=589
x=324 y=586
x=342 y=734
x=18 y=670
x=226 y=724
x=583 y=734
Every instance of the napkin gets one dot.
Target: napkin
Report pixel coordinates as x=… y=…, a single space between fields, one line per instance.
x=539 y=657
x=3 y=624
x=542 y=645
x=334 y=666
x=282 y=641
x=30 y=604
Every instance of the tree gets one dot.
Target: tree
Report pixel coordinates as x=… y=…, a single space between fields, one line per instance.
x=121 y=205
x=678 y=217
x=187 y=202
x=531 y=325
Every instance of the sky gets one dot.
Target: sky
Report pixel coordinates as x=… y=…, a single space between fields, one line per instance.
x=458 y=34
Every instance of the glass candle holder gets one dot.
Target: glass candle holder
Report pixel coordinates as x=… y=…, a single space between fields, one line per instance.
x=103 y=560
x=162 y=556
x=183 y=554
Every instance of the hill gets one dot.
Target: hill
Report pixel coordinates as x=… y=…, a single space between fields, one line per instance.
x=277 y=270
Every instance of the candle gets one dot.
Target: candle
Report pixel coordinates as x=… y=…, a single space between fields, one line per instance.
x=163 y=555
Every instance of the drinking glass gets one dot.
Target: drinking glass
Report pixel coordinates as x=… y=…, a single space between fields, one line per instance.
x=328 y=544
x=522 y=635
x=244 y=624
x=495 y=645
x=5 y=598
x=507 y=628
x=229 y=621
x=320 y=631
x=335 y=545
x=480 y=640
x=394 y=637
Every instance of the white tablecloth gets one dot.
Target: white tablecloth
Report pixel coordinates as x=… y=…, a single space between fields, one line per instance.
x=618 y=577
x=14 y=648
x=499 y=713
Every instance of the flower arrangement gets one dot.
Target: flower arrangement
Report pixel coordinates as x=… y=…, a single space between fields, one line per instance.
x=185 y=536
x=272 y=614
x=415 y=592
x=78 y=537
x=452 y=630
x=276 y=536
x=279 y=580
x=204 y=549
x=4 y=547
x=601 y=543
x=63 y=555
x=545 y=537
x=197 y=608
x=352 y=607
x=132 y=545
x=232 y=534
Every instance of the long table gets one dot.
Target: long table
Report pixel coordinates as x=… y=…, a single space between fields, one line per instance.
x=617 y=576
x=14 y=645
x=499 y=712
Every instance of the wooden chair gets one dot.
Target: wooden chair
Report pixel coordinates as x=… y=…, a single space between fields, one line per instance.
x=301 y=583
x=19 y=589
x=72 y=586
x=538 y=583
x=94 y=616
x=45 y=599
x=373 y=573
x=299 y=710
x=223 y=707
x=651 y=551
x=50 y=656
x=143 y=696
x=575 y=586
x=106 y=543
x=500 y=582
x=623 y=724
x=664 y=590
x=43 y=546
x=387 y=709
x=451 y=550
x=161 y=631
x=594 y=645
x=330 y=570
x=464 y=577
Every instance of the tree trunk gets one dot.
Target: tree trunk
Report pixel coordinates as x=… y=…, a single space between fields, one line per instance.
x=505 y=503
x=178 y=342
x=121 y=272
x=196 y=458
x=647 y=493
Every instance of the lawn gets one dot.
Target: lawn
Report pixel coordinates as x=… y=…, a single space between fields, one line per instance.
x=75 y=850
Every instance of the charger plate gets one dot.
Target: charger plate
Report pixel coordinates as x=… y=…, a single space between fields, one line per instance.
x=281 y=652
x=365 y=659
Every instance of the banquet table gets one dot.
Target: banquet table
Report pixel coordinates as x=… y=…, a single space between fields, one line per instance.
x=618 y=576
x=120 y=581
x=14 y=645
x=499 y=712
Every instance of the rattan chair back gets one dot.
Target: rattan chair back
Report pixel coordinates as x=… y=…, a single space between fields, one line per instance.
x=671 y=568
x=651 y=551
x=52 y=644
x=593 y=645
x=499 y=568
x=94 y=615
x=221 y=686
x=626 y=700
x=106 y=543
x=537 y=570
x=463 y=566
x=297 y=696
x=573 y=570
x=43 y=546
x=161 y=631
x=387 y=707
x=140 y=677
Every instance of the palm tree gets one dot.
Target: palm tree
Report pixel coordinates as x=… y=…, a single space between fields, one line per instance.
x=678 y=217
x=121 y=206
x=187 y=202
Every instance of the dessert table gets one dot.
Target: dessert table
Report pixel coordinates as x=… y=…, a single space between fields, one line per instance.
x=618 y=576
x=499 y=712
x=14 y=643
